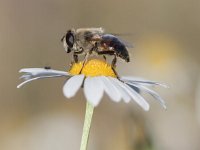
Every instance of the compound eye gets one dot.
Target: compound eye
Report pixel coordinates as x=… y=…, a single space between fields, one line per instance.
x=70 y=39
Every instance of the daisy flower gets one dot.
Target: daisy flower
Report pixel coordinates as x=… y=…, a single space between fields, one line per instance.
x=96 y=78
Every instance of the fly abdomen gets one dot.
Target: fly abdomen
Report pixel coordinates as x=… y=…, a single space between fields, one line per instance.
x=117 y=45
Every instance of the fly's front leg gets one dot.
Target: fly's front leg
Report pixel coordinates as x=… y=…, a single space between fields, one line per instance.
x=76 y=53
x=84 y=61
x=75 y=57
x=87 y=55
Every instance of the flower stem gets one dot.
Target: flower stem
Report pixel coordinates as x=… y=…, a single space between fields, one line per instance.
x=86 y=126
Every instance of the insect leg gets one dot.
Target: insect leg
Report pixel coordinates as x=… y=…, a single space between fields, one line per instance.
x=84 y=62
x=113 y=65
x=104 y=57
x=76 y=53
x=80 y=51
x=105 y=52
x=75 y=57
x=116 y=73
x=114 y=61
x=86 y=58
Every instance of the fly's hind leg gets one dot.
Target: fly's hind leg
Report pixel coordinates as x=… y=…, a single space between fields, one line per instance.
x=113 y=65
x=108 y=52
x=114 y=61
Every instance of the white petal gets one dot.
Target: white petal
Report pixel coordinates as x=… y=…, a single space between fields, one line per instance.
x=143 y=81
x=125 y=96
x=29 y=79
x=152 y=93
x=93 y=90
x=26 y=70
x=25 y=76
x=132 y=78
x=137 y=97
x=110 y=89
x=39 y=73
x=43 y=72
x=73 y=85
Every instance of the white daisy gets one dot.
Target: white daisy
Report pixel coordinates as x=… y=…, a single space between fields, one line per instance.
x=97 y=77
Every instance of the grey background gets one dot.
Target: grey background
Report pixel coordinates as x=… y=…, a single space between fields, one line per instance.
x=166 y=35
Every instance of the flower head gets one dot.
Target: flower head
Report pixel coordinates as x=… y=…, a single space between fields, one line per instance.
x=93 y=68
x=96 y=78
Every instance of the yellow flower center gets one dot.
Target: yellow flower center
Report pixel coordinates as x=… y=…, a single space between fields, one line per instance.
x=93 y=68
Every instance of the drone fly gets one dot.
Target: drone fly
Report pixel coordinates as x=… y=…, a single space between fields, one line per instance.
x=88 y=40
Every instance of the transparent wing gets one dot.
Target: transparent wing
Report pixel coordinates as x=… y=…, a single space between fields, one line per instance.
x=110 y=37
x=126 y=43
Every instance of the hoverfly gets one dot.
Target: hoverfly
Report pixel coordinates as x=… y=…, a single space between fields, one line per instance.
x=89 y=40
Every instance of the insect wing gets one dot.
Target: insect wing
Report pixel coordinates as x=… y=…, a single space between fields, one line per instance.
x=126 y=43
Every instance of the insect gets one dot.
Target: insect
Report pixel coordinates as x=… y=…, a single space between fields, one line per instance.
x=89 y=40
x=47 y=67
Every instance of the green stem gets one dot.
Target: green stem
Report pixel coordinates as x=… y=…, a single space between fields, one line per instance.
x=86 y=127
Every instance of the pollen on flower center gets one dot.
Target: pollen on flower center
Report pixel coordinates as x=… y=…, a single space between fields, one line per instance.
x=93 y=68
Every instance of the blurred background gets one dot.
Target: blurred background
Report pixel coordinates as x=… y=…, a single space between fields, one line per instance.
x=166 y=36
